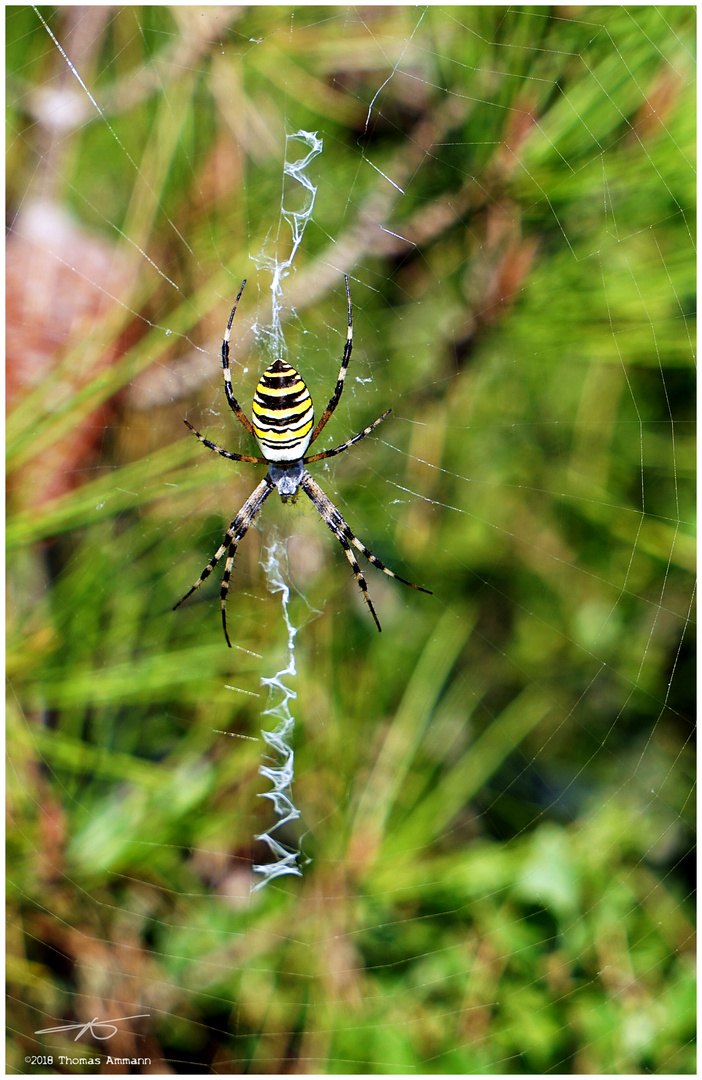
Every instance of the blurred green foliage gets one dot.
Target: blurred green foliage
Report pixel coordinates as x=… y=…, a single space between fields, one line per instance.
x=496 y=793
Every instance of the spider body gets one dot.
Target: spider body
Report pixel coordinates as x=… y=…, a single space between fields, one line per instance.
x=283 y=419
x=283 y=414
x=287 y=478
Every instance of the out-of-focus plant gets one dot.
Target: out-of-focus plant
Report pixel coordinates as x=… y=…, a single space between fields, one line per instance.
x=495 y=792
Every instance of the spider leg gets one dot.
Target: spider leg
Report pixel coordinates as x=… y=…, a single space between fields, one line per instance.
x=336 y=523
x=350 y=442
x=329 y=513
x=224 y=453
x=381 y=566
x=232 y=537
x=334 y=399
x=233 y=403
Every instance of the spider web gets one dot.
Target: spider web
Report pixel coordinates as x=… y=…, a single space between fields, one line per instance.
x=491 y=838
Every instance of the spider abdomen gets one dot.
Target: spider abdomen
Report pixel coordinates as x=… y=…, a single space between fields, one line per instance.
x=283 y=414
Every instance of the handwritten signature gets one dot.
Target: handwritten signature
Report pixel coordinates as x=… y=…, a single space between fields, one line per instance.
x=106 y=1025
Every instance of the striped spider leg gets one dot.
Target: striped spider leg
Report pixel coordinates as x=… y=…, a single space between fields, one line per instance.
x=329 y=513
x=234 y=534
x=283 y=419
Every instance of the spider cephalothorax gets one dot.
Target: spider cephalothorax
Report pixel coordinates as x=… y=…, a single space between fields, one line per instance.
x=283 y=419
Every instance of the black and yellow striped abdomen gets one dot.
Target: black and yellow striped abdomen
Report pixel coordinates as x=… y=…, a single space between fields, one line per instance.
x=283 y=413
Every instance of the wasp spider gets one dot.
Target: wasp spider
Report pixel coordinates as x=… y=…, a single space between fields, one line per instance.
x=283 y=419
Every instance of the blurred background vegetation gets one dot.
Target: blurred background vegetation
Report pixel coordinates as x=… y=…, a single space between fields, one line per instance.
x=496 y=793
